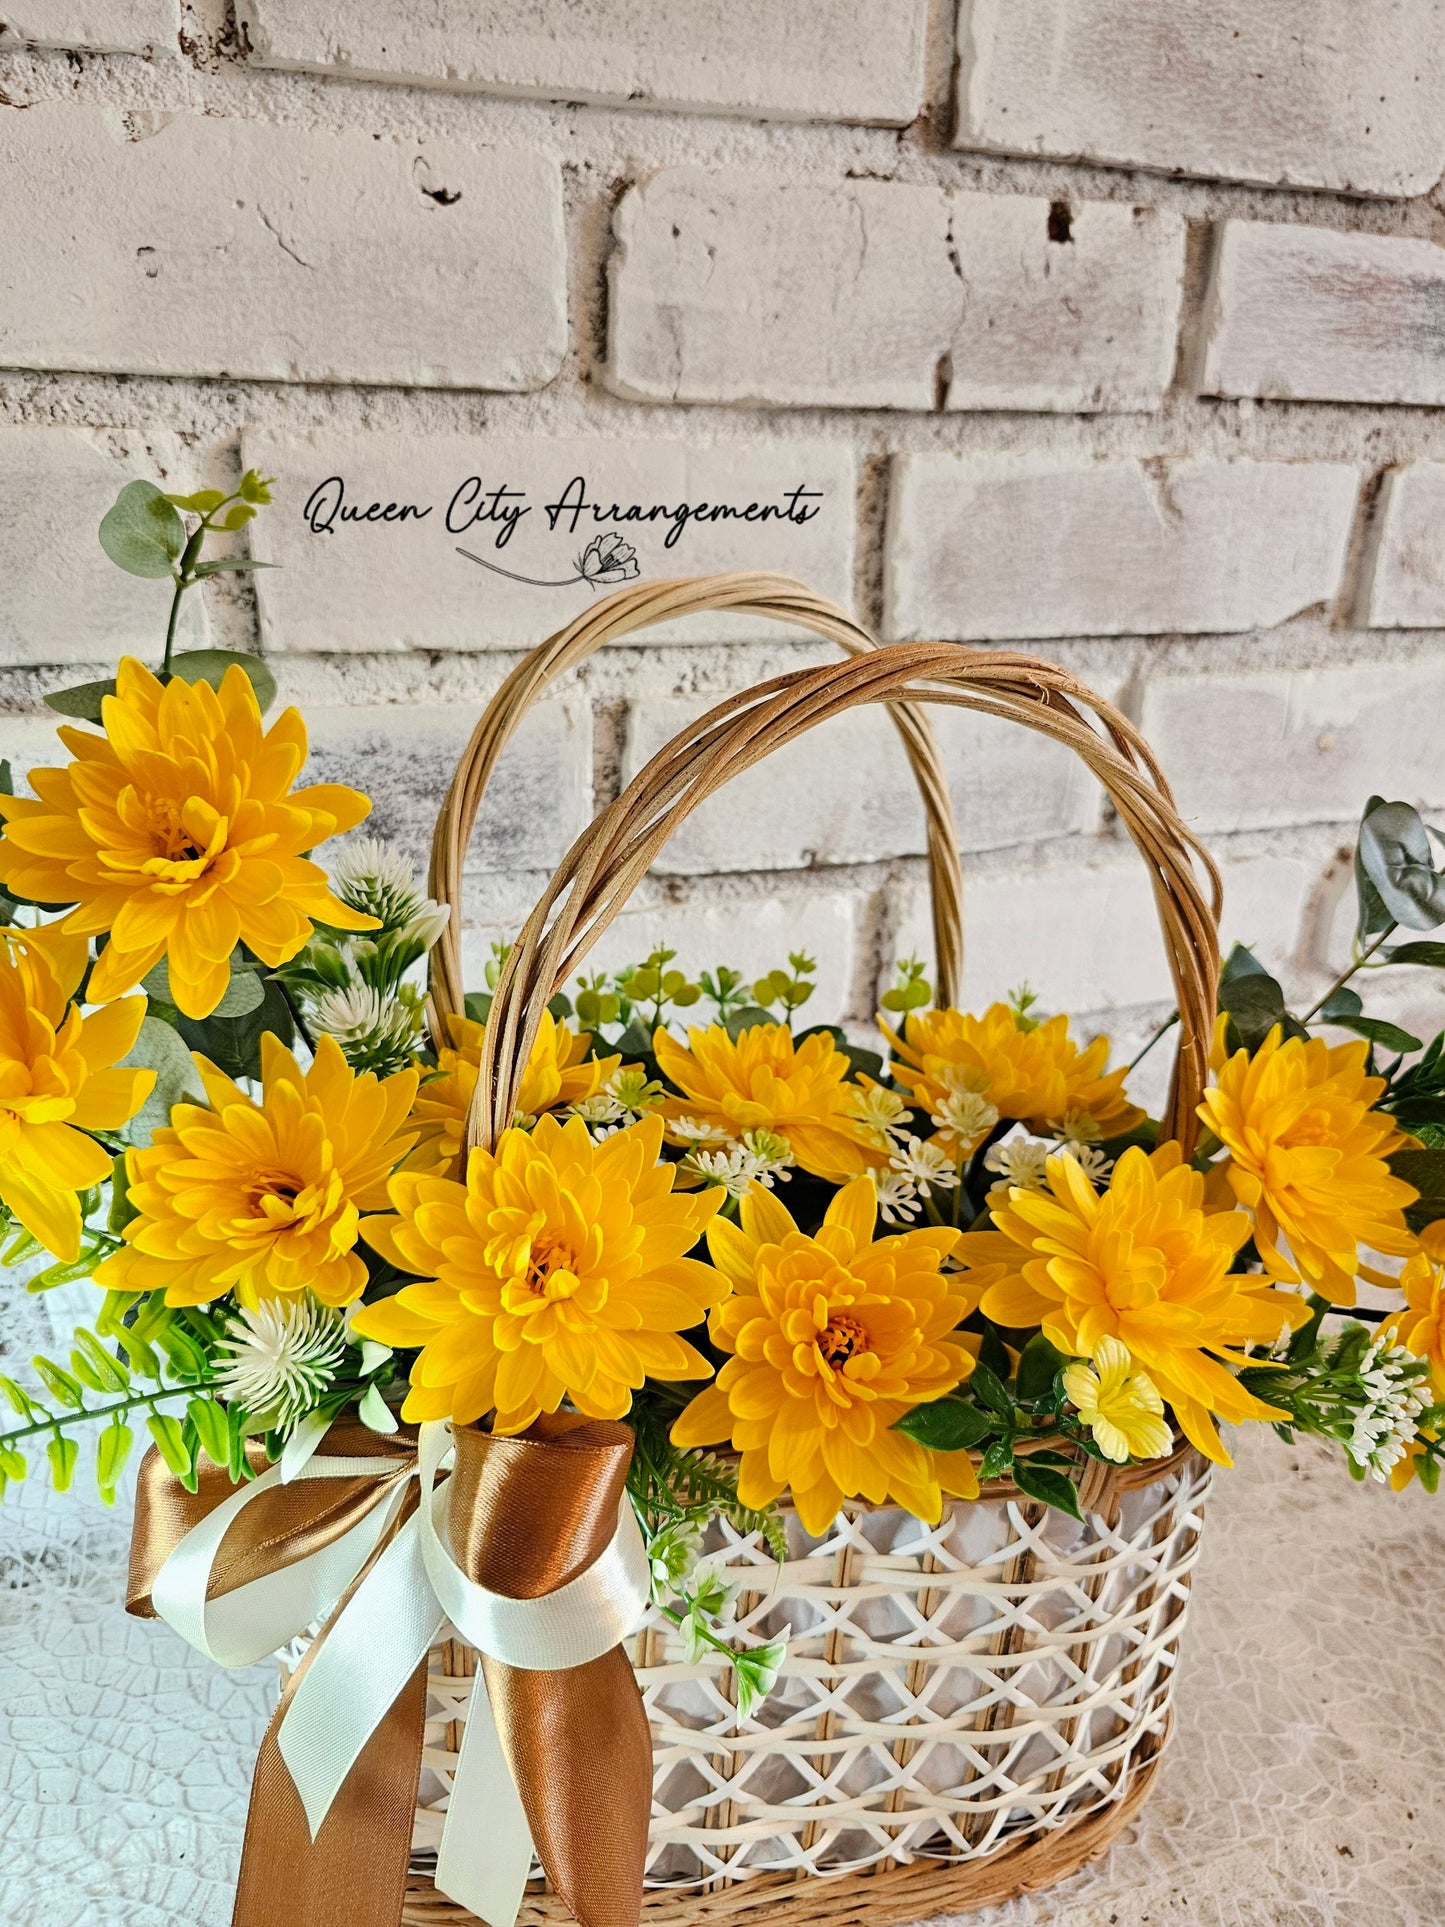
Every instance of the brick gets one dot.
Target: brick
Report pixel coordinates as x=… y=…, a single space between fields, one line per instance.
x=792 y=812
x=376 y=585
x=242 y=248
x=1246 y=752
x=1306 y=93
x=734 y=287
x=97 y=26
x=829 y=60
x=403 y=757
x=988 y=547
x=62 y=599
x=1405 y=588
x=1085 y=935
x=1309 y=314
x=748 y=933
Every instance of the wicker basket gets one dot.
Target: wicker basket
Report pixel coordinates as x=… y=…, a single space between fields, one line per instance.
x=969 y=1710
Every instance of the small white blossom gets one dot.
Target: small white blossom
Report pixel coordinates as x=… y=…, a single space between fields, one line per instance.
x=967 y=1115
x=633 y=1092
x=1019 y=1161
x=882 y=1113
x=693 y=1130
x=1079 y=1128
x=897 y=1195
x=379 y=881
x=367 y=1025
x=923 y=1163
x=1089 y=1158
x=1385 y=1425
x=960 y=1079
x=601 y=1113
x=760 y=1158
x=284 y=1355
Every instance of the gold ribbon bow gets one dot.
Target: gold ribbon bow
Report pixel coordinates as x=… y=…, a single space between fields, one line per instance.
x=525 y=1517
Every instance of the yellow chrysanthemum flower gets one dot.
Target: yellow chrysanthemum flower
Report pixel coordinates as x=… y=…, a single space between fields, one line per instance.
x=766 y=1082
x=558 y=1270
x=558 y=1072
x=1307 y=1157
x=834 y=1338
x=1145 y=1263
x=1420 y=1326
x=262 y=1198
x=1121 y=1407
x=1040 y=1076
x=58 y=1082
x=178 y=832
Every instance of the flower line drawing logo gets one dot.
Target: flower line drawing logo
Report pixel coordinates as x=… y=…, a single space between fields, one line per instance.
x=606 y=561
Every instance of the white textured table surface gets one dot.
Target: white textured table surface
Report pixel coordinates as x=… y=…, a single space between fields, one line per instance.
x=1302 y=1790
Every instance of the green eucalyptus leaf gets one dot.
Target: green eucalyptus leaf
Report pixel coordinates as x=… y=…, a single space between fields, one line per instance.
x=1423 y=952
x=83 y=701
x=210 y=665
x=1371 y=917
x=1255 y=1003
x=946 y=1425
x=1398 y=859
x=159 y=1047
x=141 y=532
x=233 y=564
x=7 y=780
x=1388 y=1036
x=746 y=1018
x=1341 y=1004
x=1048 y=1486
x=1241 y=962
x=233 y=1044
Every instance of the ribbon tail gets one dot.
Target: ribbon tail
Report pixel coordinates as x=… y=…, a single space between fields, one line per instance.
x=486 y=1849
x=354 y=1872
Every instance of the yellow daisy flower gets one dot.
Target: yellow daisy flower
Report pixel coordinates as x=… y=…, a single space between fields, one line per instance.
x=834 y=1337
x=1147 y=1264
x=558 y=1270
x=263 y=1197
x=1121 y=1407
x=558 y=1072
x=947 y=1057
x=178 y=832
x=58 y=1082
x=1307 y=1157
x=1420 y=1326
x=766 y=1082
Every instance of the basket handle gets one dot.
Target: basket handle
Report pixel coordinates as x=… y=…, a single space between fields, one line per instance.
x=608 y=861
x=639 y=607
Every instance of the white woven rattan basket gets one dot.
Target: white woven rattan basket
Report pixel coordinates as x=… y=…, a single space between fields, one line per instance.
x=967 y=1710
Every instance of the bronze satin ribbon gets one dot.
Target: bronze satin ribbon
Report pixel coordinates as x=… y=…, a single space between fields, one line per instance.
x=525 y=1515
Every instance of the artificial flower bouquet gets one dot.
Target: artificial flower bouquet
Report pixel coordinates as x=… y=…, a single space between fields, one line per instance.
x=810 y=1273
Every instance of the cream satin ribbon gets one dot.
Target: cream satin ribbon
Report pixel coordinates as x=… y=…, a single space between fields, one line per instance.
x=391 y=1622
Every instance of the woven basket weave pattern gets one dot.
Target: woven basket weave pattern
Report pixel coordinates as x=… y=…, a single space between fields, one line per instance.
x=946 y=1688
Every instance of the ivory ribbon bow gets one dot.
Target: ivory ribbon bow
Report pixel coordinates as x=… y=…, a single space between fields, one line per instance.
x=531 y=1551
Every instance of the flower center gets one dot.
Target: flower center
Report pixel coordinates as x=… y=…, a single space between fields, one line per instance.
x=841 y=1338
x=551 y=1269
x=172 y=839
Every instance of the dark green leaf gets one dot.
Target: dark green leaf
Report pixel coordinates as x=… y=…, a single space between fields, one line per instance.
x=560 y=1006
x=946 y=1425
x=1426 y=1171
x=233 y=1044
x=1341 y=1004
x=1255 y=1003
x=478 y=1005
x=989 y=1390
x=746 y=1018
x=83 y=701
x=7 y=781
x=993 y=1353
x=1395 y=850
x=997 y=1459
x=1371 y=917
x=210 y=665
x=1051 y=1488
x=1423 y=952
x=1389 y=1036
x=1039 y=1365
x=1241 y=963
x=141 y=532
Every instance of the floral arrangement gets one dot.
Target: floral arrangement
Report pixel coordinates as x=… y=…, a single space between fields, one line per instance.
x=802 y=1268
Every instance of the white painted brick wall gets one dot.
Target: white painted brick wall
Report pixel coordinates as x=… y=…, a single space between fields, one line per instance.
x=744 y=289
x=993 y=547
x=829 y=60
x=195 y=246
x=1305 y=313
x=1009 y=786
x=61 y=599
x=1405 y=587
x=1085 y=935
x=400 y=584
x=1249 y=751
x=539 y=800
x=1318 y=93
x=100 y=26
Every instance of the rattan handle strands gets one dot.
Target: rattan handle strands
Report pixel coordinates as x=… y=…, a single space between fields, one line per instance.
x=778 y=597
x=609 y=860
